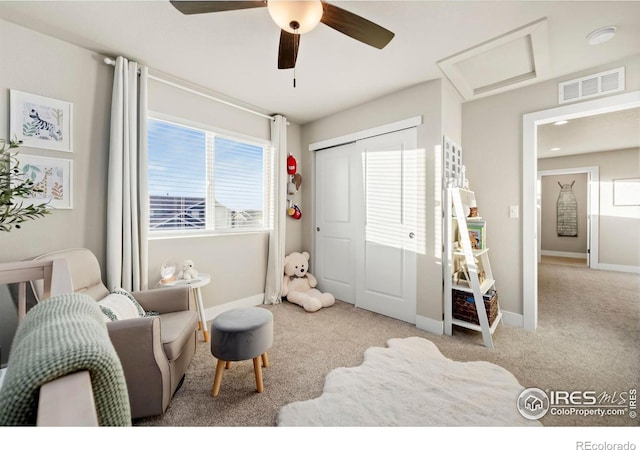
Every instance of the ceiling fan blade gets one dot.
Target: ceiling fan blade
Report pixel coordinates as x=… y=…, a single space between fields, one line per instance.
x=355 y=26
x=200 y=7
x=288 y=51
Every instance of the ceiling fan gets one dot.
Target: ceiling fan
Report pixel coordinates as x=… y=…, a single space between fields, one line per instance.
x=296 y=18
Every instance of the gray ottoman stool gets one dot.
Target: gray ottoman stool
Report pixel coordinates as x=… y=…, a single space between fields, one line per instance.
x=238 y=335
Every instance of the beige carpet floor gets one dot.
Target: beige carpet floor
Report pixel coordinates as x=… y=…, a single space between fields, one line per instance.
x=588 y=339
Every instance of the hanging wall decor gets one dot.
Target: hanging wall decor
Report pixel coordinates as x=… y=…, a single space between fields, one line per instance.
x=52 y=176
x=452 y=164
x=293 y=186
x=292 y=165
x=295 y=212
x=567 y=211
x=41 y=122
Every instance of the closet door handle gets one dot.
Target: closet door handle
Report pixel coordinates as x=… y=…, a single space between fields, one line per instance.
x=412 y=235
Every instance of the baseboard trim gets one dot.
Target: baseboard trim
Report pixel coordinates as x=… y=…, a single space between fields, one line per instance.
x=511 y=319
x=422 y=322
x=214 y=311
x=430 y=325
x=619 y=268
x=563 y=254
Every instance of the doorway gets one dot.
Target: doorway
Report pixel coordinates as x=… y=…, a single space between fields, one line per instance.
x=587 y=245
x=366 y=220
x=529 y=186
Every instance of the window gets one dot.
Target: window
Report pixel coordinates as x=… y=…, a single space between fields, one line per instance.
x=204 y=180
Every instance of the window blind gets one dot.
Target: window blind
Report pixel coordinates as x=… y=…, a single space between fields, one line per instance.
x=201 y=180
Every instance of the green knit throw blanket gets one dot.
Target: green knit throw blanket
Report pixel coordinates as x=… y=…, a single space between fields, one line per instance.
x=59 y=336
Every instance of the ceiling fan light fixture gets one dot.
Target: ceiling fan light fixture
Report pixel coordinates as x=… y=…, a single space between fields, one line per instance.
x=295 y=16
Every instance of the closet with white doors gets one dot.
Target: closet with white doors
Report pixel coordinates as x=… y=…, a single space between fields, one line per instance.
x=366 y=222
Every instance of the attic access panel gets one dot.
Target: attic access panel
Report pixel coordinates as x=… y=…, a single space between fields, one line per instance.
x=512 y=60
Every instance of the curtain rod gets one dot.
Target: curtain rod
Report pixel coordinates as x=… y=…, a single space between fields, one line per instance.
x=112 y=62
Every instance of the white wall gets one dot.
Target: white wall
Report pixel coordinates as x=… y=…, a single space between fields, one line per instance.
x=294 y=227
x=619 y=226
x=491 y=139
x=428 y=100
x=492 y=148
x=35 y=63
x=237 y=263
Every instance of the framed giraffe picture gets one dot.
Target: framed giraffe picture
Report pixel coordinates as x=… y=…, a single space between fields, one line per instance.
x=41 y=122
x=52 y=176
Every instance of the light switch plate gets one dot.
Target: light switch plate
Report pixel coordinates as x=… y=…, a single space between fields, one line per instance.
x=514 y=212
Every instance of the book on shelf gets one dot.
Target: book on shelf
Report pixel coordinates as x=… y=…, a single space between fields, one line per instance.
x=477 y=234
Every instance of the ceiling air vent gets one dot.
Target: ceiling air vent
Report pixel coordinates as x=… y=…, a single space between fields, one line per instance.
x=591 y=86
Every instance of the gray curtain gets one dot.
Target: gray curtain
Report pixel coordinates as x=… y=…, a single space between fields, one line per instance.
x=127 y=199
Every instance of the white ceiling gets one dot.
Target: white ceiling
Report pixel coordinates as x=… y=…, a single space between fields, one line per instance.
x=481 y=70
x=235 y=52
x=603 y=132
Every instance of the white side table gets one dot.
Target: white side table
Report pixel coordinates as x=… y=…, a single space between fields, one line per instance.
x=195 y=285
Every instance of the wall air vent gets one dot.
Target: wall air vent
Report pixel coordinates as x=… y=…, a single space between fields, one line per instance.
x=602 y=83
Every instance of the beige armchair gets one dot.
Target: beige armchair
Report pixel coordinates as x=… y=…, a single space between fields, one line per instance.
x=155 y=351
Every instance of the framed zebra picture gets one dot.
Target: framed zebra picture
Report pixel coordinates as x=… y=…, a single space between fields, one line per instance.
x=41 y=122
x=52 y=176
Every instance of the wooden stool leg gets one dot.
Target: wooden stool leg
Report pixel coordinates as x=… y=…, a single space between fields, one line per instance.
x=265 y=360
x=227 y=365
x=257 y=368
x=218 y=378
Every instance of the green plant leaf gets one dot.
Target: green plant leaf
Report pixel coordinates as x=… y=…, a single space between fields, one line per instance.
x=13 y=186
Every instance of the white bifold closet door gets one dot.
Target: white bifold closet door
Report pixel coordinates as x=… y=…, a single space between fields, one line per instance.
x=366 y=223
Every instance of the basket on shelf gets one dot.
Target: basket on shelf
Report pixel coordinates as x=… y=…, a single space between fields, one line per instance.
x=464 y=306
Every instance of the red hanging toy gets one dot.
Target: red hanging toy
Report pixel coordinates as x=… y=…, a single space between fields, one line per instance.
x=291 y=165
x=295 y=212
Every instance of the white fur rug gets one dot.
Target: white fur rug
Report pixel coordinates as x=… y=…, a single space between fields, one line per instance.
x=412 y=384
